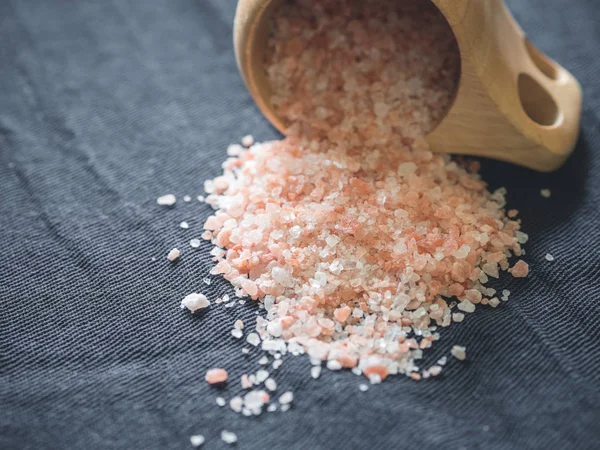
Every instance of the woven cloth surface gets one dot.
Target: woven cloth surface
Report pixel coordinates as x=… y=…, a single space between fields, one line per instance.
x=104 y=106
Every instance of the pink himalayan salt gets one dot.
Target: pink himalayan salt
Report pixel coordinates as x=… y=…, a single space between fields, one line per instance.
x=351 y=220
x=173 y=254
x=215 y=376
x=520 y=269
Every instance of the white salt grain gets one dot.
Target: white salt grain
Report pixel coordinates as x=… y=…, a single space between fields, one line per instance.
x=229 y=437
x=435 y=370
x=271 y=384
x=238 y=325
x=221 y=401
x=187 y=198
x=549 y=257
x=459 y=352
x=184 y=225
x=277 y=364
x=261 y=376
x=166 y=200
x=315 y=372
x=247 y=141
x=195 y=243
x=195 y=301
x=253 y=339
x=286 y=398
x=363 y=387
x=545 y=193
x=237 y=333
x=197 y=440
x=466 y=306
x=264 y=360
x=236 y=404
x=173 y=255
x=458 y=317
x=332 y=364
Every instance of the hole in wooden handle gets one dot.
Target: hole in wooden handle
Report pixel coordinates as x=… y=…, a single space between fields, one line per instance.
x=541 y=61
x=537 y=101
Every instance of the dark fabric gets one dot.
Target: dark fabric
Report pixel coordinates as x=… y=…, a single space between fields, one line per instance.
x=104 y=106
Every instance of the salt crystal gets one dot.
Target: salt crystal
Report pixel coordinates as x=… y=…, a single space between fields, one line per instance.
x=549 y=257
x=277 y=364
x=197 y=440
x=435 y=370
x=195 y=301
x=166 y=200
x=236 y=404
x=221 y=401
x=271 y=384
x=261 y=376
x=458 y=317
x=466 y=306
x=545 y=193
x=228 y=437
x=363 y=387
x=286 y=398
x=264 y=360
x=187 y=198
x=275 y=329
x=332 y=364
x=173 y=255
x=459 y=352
x=195 y=243
x=236 y=333
x=315 y=372
x=253 y=339
x=215 y=376
x=247 y=141
x=184 y=225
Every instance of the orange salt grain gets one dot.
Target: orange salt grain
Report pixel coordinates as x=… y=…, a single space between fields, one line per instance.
x=215 y=376
x=382 y=371
x=341 y=314
x=520 y=269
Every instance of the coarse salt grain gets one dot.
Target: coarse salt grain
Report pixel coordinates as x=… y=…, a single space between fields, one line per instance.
x=195 y=243
x=286 y=398
x=229 y=437
x=195 y=301
x=215 y=376
x=221 y=401
x=197 y=440
x=166 y=200
x=459 y=352
x=173 y=255
x=247 y=141
x=546 y=193
x=184 y=225
x=271 y=384
x=549 y=257
x=315 y=372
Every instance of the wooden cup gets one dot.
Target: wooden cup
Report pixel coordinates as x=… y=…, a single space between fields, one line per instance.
x=512 y=103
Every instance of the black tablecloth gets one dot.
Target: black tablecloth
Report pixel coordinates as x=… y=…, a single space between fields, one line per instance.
x=104 y=106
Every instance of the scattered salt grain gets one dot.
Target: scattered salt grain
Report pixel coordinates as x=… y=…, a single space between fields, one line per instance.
x=315 y=372
x=286 y=398
x=549 y=257
x=236 y=333
x=195 y=301
x=520 y=269
x=277 y=364
x=187 y=198
x=236 y=404
x=332 y=364
x=215 y=376
x=263 y=360
x=271 y=384
x=459 y=352
x=458 y=317
x=228 y=437
x=197 y=440
x=173 y=255
x=195 y=243
x=435 y=370
x=184 y=225
x=363 y=387
x=247 y=141
x=166 y=200
x=221 y=401
x=545 y=193
x=261 y=376
x=253 y=339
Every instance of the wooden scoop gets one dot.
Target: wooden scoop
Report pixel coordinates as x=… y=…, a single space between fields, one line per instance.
x=513 y=103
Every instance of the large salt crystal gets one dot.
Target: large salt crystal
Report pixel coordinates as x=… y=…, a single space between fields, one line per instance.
x=195 y=301
x=466 y=306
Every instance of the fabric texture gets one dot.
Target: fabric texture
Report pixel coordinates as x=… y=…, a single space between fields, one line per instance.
x=106 y=105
